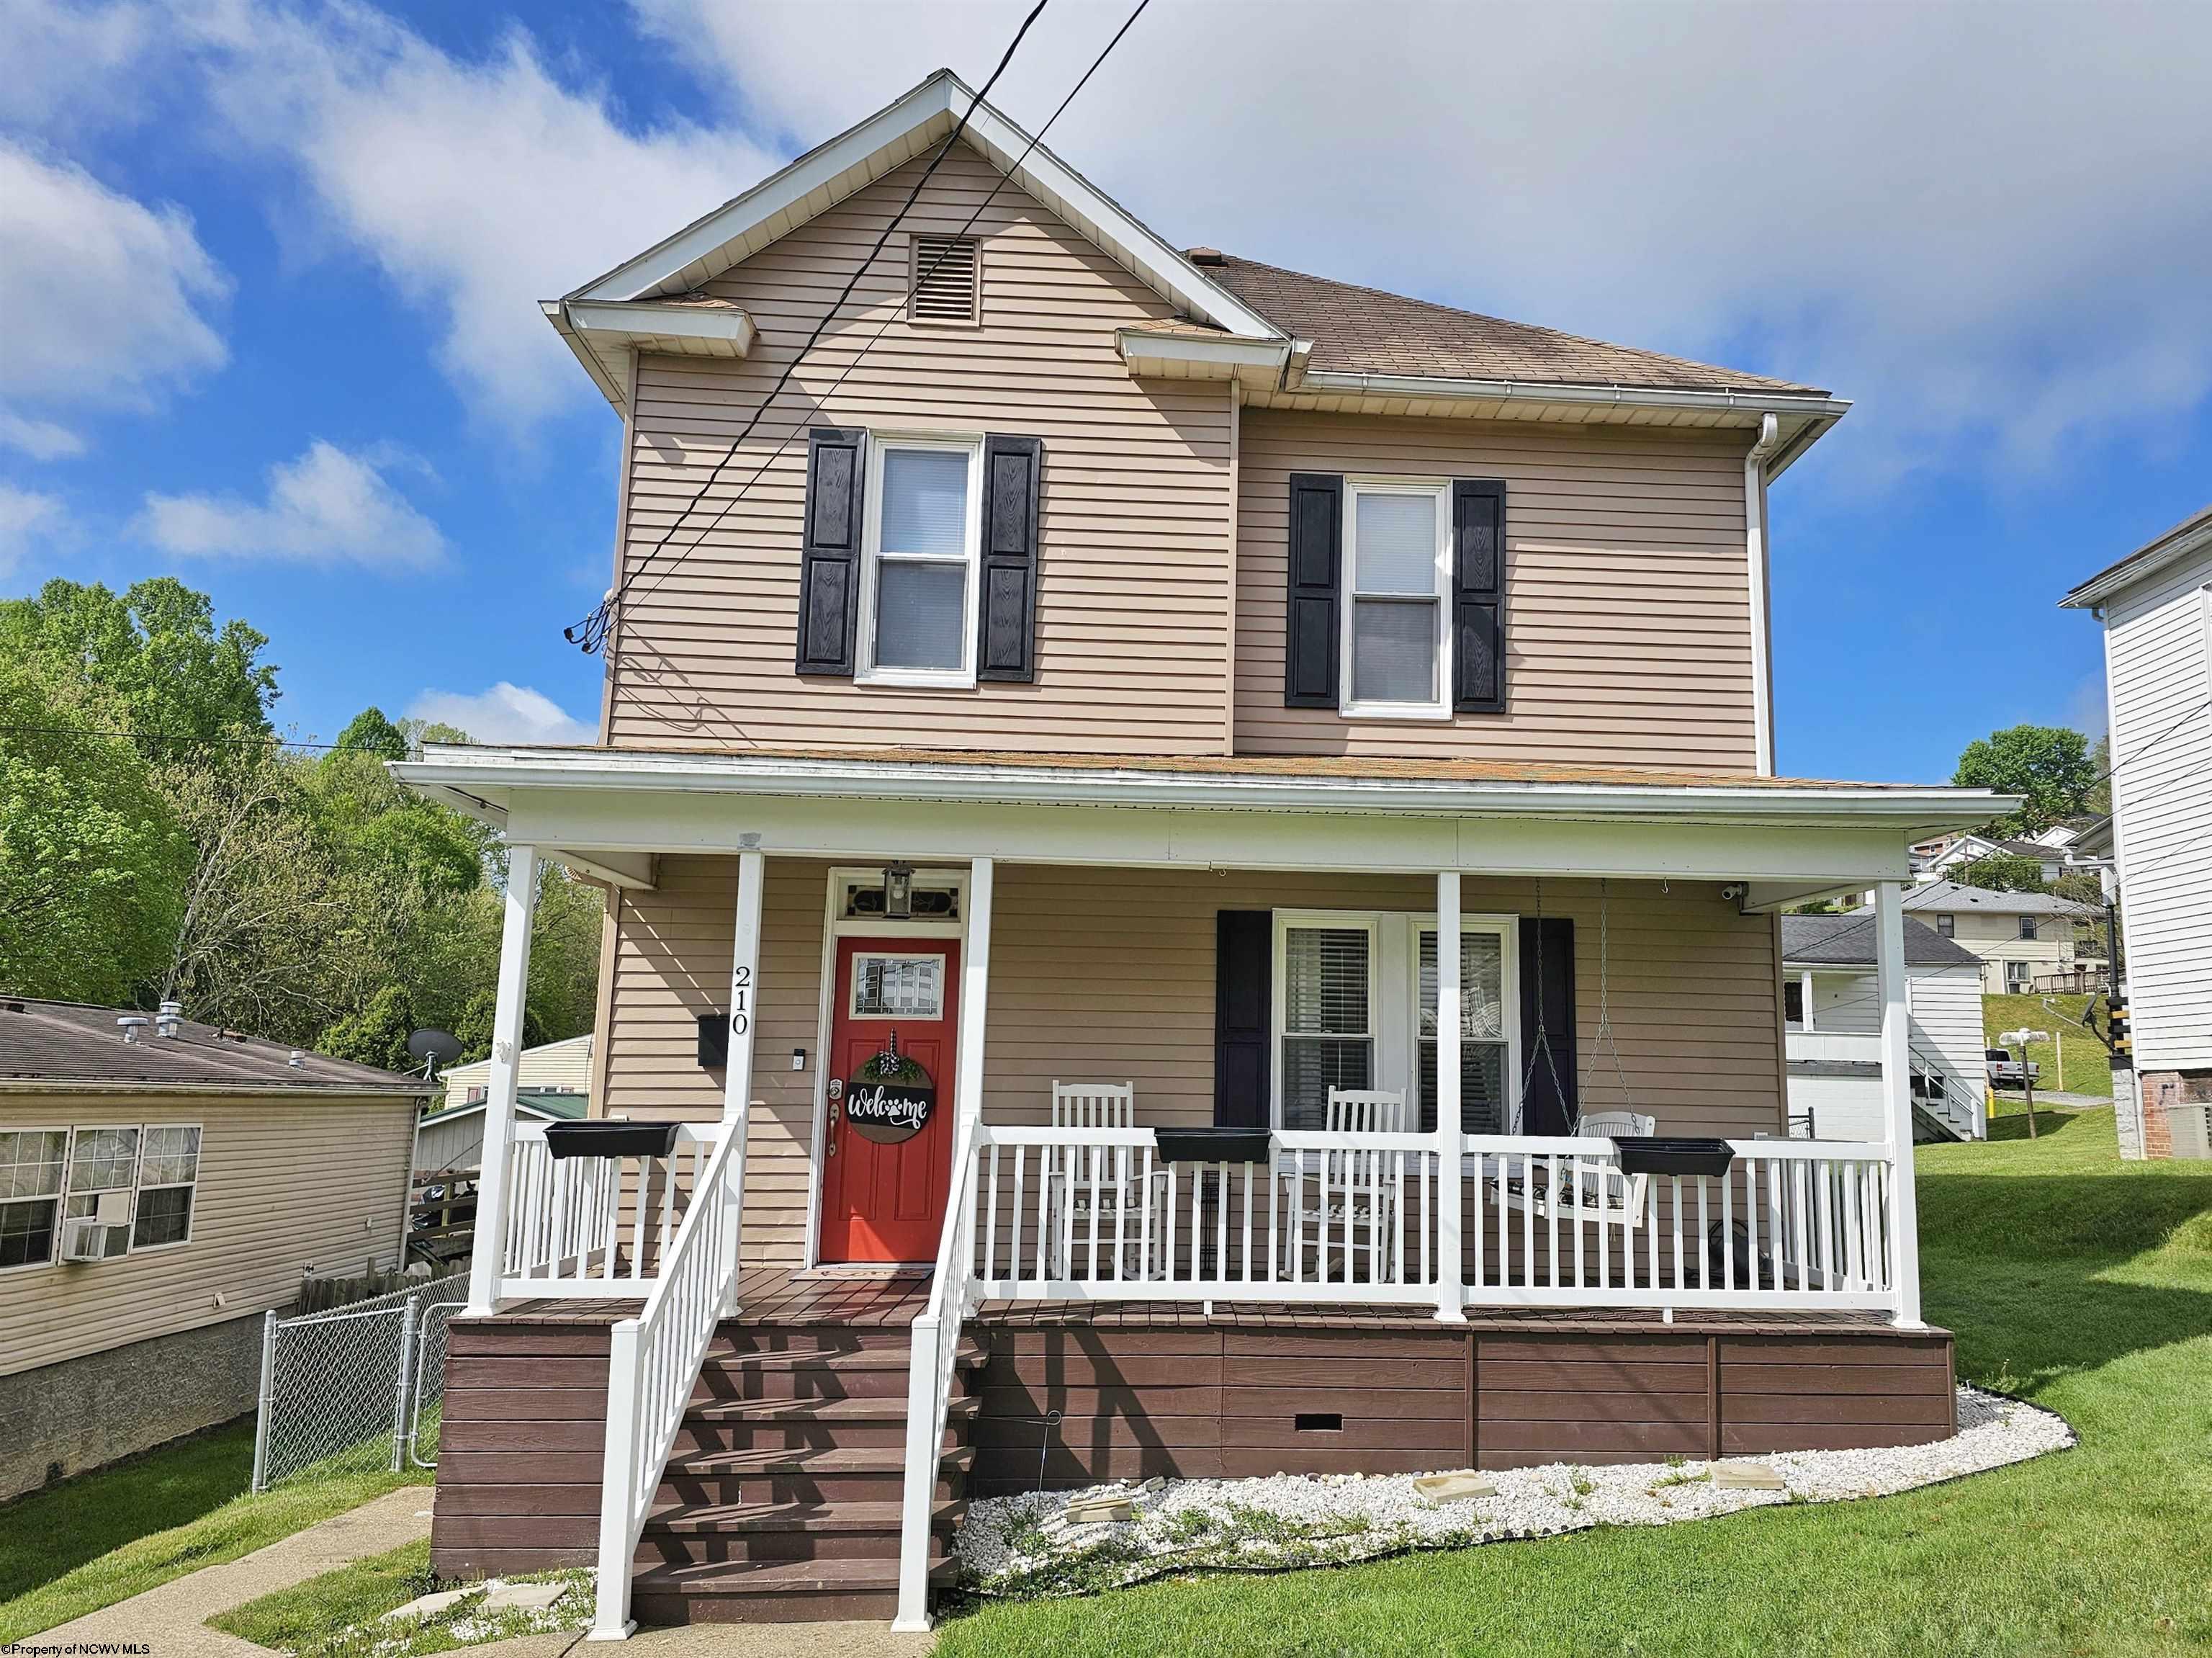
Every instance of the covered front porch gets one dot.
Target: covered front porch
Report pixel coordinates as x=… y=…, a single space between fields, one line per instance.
x=1437 y=1030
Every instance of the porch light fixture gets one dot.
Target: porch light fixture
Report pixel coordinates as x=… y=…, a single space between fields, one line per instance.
x=898 y=891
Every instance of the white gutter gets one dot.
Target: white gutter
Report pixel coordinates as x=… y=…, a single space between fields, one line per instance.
x=1762 y=615
x=468 y=773
x=1806 y=405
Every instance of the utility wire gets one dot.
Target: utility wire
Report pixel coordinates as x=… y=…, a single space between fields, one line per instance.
x=591 y=634
x=883 y=326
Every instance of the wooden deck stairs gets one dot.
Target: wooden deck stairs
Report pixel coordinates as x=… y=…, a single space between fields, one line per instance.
x=781 y=1500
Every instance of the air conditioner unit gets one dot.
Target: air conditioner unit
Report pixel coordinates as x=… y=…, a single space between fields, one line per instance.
x=94 y=1240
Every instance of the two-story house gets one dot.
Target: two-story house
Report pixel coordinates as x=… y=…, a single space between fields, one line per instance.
x=2025 y=941
x=2156 y=608
x=1143 y=794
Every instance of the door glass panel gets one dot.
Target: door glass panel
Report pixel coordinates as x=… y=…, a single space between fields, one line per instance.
x=898 y=986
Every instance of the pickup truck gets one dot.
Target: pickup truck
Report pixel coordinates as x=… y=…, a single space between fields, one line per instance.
x=2004 y=1069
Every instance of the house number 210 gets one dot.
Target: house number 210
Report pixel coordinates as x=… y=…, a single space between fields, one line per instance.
x=740 y=1001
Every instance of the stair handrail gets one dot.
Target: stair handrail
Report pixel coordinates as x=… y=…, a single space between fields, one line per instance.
x=654 y=1363
x=929 y=1380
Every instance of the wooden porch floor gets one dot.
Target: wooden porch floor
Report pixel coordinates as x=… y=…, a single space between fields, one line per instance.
x=779 y=1296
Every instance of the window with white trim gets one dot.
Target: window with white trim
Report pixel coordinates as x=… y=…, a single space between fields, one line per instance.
x=921 y=543
x=1396 y=643
x=168 y=1175
x=32 y=1164
x=1486 y=1050
x=1327 y=1015
x=100 y=1160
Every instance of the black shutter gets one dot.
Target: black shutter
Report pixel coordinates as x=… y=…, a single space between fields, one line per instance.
x=1549 y=1106
x=1310 y=617
x=1005 y=623
x=830 y=558
x=1479 y=596
x=1243 y=962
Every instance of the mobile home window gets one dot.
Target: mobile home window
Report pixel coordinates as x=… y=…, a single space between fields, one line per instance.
x=923 y=532
x=1398 y=550
x=168 y=1174
x=101 y=1160
x=1485 y=1056
x=32 y=1161
x=1328 y=1030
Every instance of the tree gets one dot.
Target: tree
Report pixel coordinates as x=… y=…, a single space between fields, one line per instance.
x=2047 y=764
x=2099 y=801
x=370 y=733
x=378 y=1034
x=92 y=855
x=2000 y=872
x=154 y=654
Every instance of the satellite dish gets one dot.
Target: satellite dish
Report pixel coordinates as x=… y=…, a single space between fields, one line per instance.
x=436 y=1047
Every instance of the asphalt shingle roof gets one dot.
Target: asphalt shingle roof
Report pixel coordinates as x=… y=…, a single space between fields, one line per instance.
x=70 y=1042
x=1847 y=941
x=1950 y=897
x=1366 y=331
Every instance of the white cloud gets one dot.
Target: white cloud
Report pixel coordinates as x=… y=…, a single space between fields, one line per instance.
x=29 y=522
x=1987 y=225
x=68 y=59
x=506 y=713
x=328 y=507
x=479 y=186
x=108 y=301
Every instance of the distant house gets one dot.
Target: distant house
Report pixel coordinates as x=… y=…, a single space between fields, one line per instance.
x=551 y=1067
x=2055 y=851
x=2156 y=606
x=163 y=1185
x=2025 y=941
x=1832 y=1009
x=452 y=1137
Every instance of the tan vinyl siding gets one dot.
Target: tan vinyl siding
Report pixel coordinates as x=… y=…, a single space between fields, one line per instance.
x=1628 y=598
x=1134 y=585
x=285 y=1186
x=554 y=1067
x=1100 y=975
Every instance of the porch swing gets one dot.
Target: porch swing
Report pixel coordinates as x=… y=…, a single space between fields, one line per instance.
x=1601 y=1194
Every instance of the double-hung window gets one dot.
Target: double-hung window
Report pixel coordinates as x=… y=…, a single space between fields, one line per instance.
x=922 y=541
x=1486 y=1056
x=168 y=1172
x=31 y=1162
x=1396 y=641
x=1327 y=1015
x=2027 y=926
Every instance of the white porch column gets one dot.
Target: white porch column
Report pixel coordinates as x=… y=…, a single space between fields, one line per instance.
x=1805 y=998
x=1897 y=1099
x=738 y=1074
x=974 y=993
x=1451 y=1188
x=488 y=1248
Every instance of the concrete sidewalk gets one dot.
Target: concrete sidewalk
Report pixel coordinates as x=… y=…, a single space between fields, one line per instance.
x=171 y=1620
x=721 y=1641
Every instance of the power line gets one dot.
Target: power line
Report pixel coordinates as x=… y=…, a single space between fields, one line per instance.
x=883 y=326
x=180 y=739
x=591 y=633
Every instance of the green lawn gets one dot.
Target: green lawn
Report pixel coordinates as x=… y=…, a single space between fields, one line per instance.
x=102 y=1537
x=2071 y=1279
x=2088 y=1068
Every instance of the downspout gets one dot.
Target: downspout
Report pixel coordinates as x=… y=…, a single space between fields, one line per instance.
x=1755 y=539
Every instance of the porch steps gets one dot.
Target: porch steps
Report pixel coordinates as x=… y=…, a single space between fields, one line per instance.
x=781 y=1499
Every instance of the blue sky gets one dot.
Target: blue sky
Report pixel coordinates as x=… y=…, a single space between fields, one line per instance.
x=273 y=269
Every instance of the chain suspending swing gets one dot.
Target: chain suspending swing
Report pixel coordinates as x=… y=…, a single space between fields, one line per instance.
x=1540 y=1044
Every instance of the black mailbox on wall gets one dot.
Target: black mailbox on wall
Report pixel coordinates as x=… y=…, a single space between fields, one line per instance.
x=714 y=1042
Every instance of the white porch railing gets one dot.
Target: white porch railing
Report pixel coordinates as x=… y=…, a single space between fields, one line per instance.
x=595 y=1227
x=952 y=1295
x=652 y=1365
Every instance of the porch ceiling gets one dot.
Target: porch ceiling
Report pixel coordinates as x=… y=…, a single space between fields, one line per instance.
x=609 y=811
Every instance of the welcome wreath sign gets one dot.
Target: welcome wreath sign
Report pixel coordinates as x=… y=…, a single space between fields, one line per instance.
x=890 y=1098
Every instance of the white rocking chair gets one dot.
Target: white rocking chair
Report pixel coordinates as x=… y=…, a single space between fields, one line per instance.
x=1113 y=1174
x=1357 y=1211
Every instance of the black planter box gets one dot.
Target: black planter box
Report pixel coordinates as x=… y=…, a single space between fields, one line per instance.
x=1214 y=1145
x=1659 y=1154
x=605 y=1137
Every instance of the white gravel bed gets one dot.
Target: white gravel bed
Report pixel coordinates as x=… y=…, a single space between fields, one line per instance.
x=1021 y=1546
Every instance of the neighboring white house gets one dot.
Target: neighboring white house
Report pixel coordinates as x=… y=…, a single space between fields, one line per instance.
x=1833 y=1011
x=552 y=1067
x=2156 y=606
x=452 y=1137
x=2024 y=940
x=2055 y=851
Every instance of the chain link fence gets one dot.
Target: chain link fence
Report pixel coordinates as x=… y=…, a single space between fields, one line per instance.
x=357 y=1388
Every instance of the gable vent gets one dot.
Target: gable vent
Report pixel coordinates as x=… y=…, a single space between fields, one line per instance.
x=946 y=280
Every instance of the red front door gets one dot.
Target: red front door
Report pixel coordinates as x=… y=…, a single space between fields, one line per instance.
x=886 y=1201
